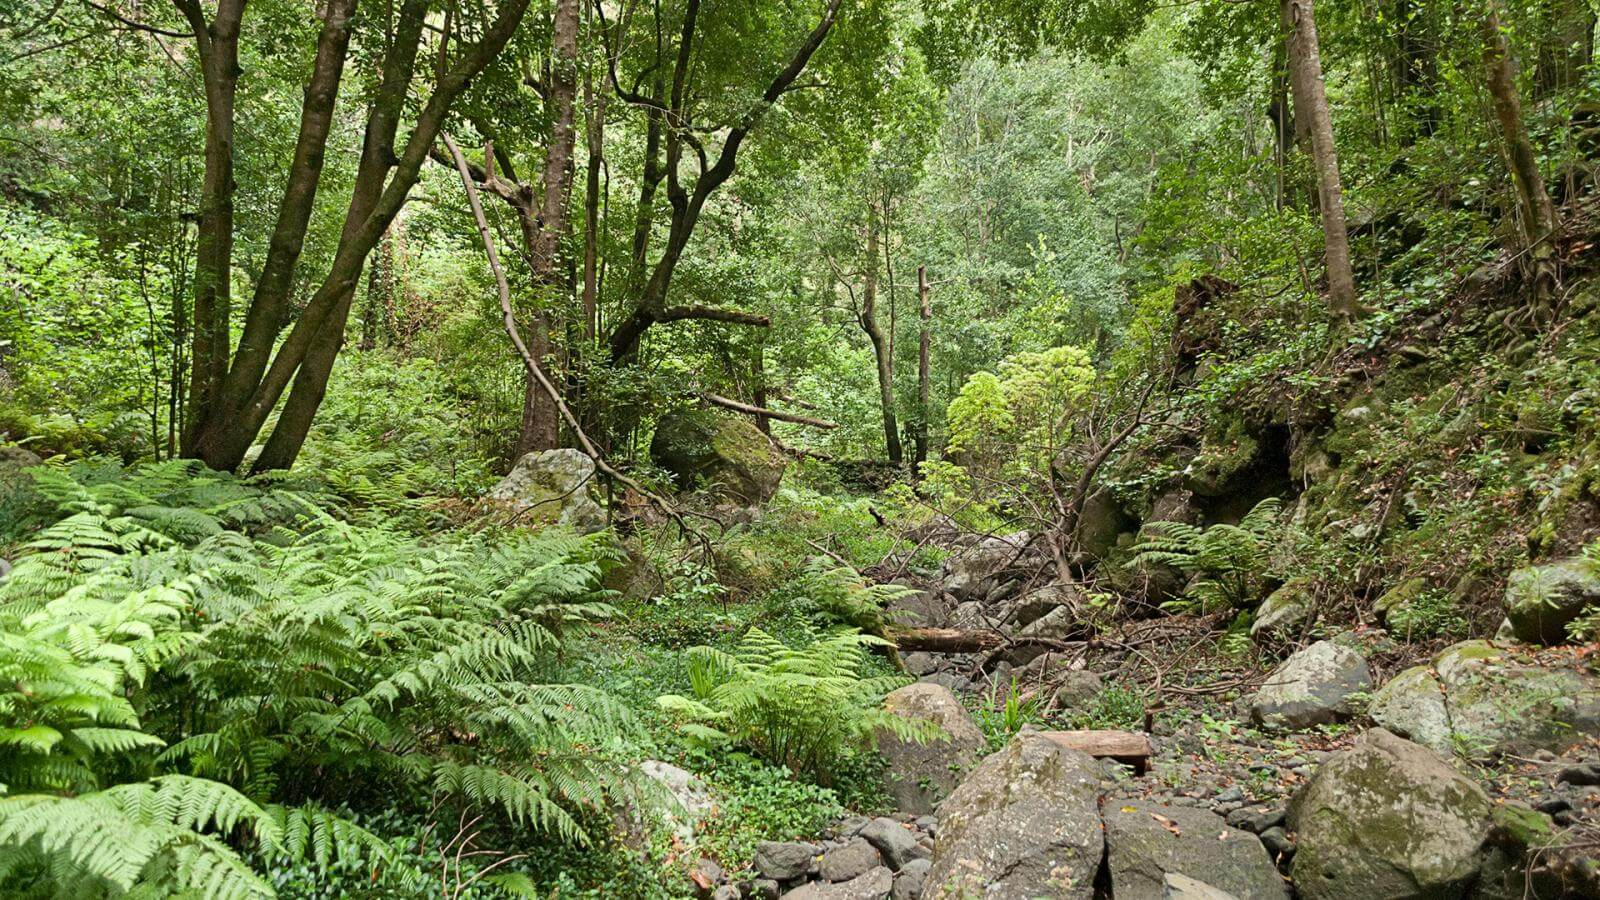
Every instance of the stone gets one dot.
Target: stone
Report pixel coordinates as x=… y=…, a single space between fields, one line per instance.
x=920 y=609
x=705 y=874
x=918 y=775
x=1313 y=687
x=729 y=456
x=1277 y=841
x=1387 y=818
x=908 y=881
x=553 y=487
x=920 y=663
x=1478 y=700
x=950 y=681
x=969 y=616
x=971 y=573
x=727 y=892
x=1583 y=775
x=1024 y=824
x=1145 y=842
x=687 y=801
x=784 y=860
x=1283 y=612
x=874 y=885
x=762 y=888
x=1541 y=600
x=1059 y=624
x=1182 y=887
x=1100 y=521
x=895 y=841
x=1399 y=597
x=847 y=862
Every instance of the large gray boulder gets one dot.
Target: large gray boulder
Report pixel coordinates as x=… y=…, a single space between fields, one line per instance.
x=728 y=456
x=1283 y=612
x=1313 y=687
x=683 y=801
x=919 y=775
x=1541 y=600
x=873 y=885
x=1477 y=700
x=1385 y=820
x=1145 y=843
x=972 y=572
x=1024 y=824
x=553 y=487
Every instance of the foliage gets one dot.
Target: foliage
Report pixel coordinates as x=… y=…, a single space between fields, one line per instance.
x=1230 y=564
x=154 y=645
x=803 y=707
x=1001 y=717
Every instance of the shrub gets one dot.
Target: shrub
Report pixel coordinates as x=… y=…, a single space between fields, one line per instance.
x=802 y=707
x=1231 y=561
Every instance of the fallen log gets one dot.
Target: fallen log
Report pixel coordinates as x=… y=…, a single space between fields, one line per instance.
x=1127 y=747
x=956 y=640
x=751 y=410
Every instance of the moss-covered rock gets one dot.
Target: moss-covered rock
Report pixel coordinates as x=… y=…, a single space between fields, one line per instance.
x=1284 y=610
x=553 y=487
x=727 y=455
x=1541 y=600
x=1387 y=819
x=1476 y=699
x=1399 y=597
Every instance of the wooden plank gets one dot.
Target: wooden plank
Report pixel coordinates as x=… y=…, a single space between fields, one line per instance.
x=1128 y=747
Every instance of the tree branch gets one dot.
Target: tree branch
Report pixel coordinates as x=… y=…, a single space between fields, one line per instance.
x=752 y=410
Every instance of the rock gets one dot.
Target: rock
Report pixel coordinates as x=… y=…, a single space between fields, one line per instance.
x=1312 y=687
x=1284 y=611
x=728 y=455
x=908 y=881
x=950 y=681
x=874 y=885
x=1399 y=597
x=971 y=573
x=920 y=663
x=1060 y=624
x=1071 y=688
x=969 y=616
x=1387 y=819
x=706 y=874
x=1024 y=824
x=1277 y=842
x=1477 y=700
x=1256 y=820
x=762 y=889
x=918 y=776
x=688 y=800
x=847 y=862
x=1584 y=775
x=1141 y=849
x=1038 y=603
x=1182 y=887
x=923 y=609
x=1233 y=794
x=1099 y=523
x=1541 y=600
x=727 y=892
x=895 y=841
x=553 y=487
x=1515 y=832
x=784 y=860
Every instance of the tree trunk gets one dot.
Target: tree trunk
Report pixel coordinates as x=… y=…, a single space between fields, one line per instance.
x=1311 y=107
x=880 y=345
x=595 y=139
x=924 y=371
x=1538 y=213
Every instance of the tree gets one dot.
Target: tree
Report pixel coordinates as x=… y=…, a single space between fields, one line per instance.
x=1538 y=214
x=882 y=352
x=1311 y=106
x=230 y=403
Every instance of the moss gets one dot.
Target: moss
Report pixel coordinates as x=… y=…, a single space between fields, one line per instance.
x=1400 y=596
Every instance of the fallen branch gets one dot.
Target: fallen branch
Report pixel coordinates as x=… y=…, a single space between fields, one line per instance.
x=714 y=314
x=751 y=410
x=535 y=370
x=956 y=640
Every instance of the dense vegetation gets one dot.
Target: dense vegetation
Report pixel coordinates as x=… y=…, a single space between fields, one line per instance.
x=1264 y=322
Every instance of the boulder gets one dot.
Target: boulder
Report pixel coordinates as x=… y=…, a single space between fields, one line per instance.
x=922 y=609
x=1182 y=887
x=1283 y=612
x=553 y=487
x=1541 y=600
x=1024 y=824
x=855 y=858
x=874 y=885
x=1312 y=687
x=919 y=775
x=1145 y=843
x=784 y=860
x=728 y=455
x=971 y=573
x=1399 y=597
x=1387 y=819
x=908 y=881
x=1100 y=521
x=895 y=841
x=686 y=800
x=1060 y=624
x=1477 y=700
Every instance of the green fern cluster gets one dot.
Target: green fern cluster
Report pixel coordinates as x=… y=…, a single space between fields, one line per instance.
x=803 y=707
x=842 y=596
x=189 y=660
x=1229 y=565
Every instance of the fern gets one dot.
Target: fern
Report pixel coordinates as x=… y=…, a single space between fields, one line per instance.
x=802 y=707
x=1229 y=564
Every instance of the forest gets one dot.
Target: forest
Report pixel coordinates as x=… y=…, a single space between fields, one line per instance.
x=804 y=449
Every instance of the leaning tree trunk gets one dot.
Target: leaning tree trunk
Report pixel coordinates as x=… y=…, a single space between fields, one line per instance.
x=1538 y=213
x=880 y=343
x=1311 y=106
x=924 y=370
